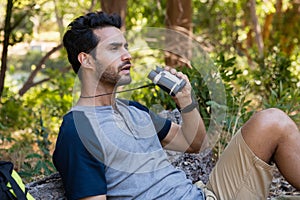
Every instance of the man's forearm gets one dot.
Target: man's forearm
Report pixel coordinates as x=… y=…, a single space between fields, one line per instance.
x=193 y=129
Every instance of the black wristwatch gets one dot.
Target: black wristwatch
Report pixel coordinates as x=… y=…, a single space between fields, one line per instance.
x=190 y=107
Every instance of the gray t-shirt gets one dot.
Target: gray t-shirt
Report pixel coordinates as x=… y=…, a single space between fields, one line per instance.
x=134 y=166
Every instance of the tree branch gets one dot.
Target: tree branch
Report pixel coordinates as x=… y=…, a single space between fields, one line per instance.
x=28 y=84
x=33 y=84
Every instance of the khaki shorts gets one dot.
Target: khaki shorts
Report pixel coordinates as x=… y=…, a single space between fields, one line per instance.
x=239 y=174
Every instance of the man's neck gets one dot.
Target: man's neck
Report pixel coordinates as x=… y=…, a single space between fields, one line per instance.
x=106 y=100
x=101 y=95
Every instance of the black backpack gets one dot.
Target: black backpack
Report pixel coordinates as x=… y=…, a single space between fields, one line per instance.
x=6 y=169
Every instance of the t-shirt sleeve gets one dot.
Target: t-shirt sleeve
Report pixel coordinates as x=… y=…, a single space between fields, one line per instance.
x=162 y=125
x=82 y=174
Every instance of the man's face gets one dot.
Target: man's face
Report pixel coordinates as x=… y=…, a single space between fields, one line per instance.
x=111 y=57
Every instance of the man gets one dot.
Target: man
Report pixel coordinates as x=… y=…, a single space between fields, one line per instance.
x=110 y=148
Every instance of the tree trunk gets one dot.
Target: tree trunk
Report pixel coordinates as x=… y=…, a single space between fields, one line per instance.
x=267 y=27
x=116 y=6
x=257 y=29
x=59 y=20
x=279 y=7
x=290 y=26
x=7 y=32
x=179 y=19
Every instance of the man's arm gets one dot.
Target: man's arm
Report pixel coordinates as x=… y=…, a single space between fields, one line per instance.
x=190 y=135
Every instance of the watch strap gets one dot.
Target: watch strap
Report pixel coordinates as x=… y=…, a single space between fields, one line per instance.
x=190 y=107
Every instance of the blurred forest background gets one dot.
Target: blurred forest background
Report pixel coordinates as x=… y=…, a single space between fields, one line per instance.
x=254 y=45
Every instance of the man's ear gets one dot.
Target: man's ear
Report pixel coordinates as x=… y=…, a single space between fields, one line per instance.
x=84 y=59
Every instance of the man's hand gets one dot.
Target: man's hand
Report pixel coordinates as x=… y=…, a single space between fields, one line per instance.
x=184 y=97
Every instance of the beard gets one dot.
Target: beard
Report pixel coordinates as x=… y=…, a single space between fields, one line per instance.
x=112 y=76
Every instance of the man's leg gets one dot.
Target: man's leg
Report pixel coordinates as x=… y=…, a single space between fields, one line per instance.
x=273 y=136
x=243 y=171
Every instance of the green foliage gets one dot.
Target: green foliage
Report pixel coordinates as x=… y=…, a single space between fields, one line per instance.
x=286 y=99
x=27 y=134
x=21 y=26
x=26 y=63
x=145 y=14
x=14 y=113
x=36 y=164
x=220 y=22
x=274 y=72
x=238 y=110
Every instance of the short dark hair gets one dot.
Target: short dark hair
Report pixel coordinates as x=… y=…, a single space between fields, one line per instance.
x=80 y=36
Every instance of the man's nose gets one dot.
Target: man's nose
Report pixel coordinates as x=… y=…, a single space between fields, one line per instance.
x=126 y=55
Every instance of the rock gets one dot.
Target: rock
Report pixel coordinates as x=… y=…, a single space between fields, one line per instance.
x=197 y=167
x=50 y=187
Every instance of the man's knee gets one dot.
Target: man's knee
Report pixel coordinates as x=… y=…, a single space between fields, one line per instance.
x=265 y=130
x=272 y=123
x=275 y=119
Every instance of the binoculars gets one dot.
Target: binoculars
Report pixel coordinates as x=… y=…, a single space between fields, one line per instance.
x=166 y=81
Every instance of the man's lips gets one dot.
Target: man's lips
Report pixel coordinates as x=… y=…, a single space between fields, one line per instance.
x=126 y=68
